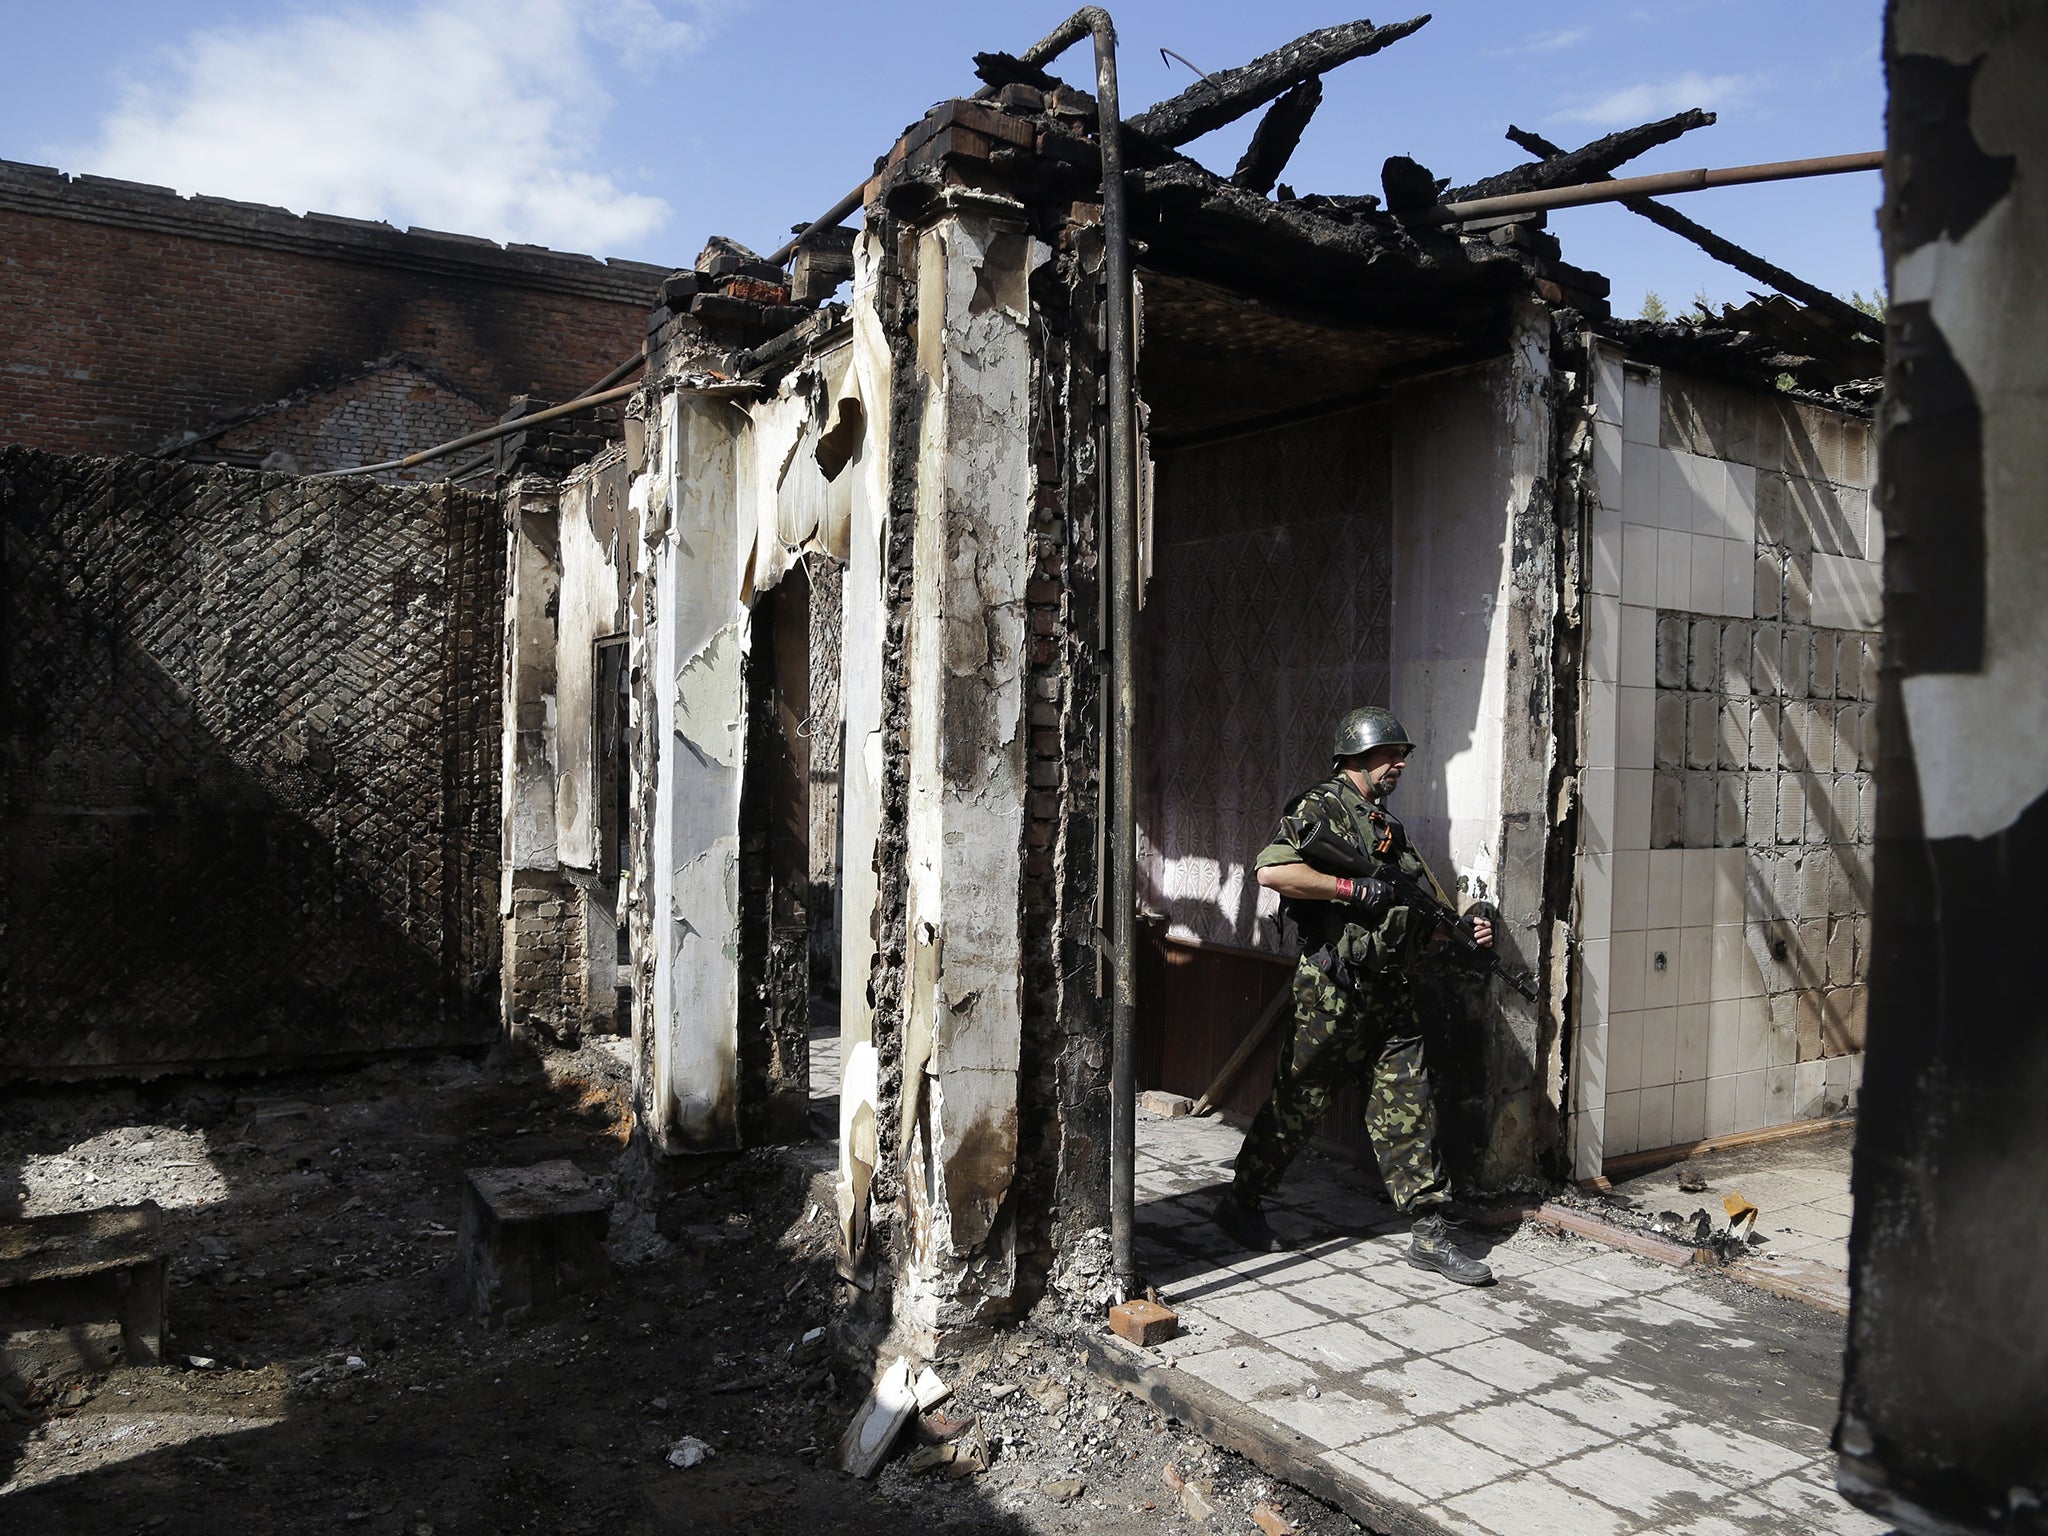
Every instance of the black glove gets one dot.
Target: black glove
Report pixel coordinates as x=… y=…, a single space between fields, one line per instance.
x=1371 y=897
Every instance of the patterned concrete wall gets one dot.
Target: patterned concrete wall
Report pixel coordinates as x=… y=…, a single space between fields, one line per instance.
x=252 y=763
x=1731 y=667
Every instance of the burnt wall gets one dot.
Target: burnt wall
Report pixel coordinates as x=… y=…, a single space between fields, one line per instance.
x=1947 y=1375
x=1062 y=1184
x=131 y=315
x=251 y=764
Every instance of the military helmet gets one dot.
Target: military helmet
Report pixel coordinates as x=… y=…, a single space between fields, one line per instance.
x=1367 y=727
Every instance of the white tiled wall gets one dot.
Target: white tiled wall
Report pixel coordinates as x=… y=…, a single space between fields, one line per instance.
x=1680 y=1034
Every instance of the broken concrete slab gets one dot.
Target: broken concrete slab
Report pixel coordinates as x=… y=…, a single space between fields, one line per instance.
x=530 y=1236
x=81 y=1292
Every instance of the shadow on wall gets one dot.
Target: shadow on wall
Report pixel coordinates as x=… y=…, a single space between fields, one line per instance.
x=252 y=792
x=1299 y=572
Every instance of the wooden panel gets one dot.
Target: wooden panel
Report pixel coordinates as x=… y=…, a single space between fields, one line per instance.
x=1195 y=1003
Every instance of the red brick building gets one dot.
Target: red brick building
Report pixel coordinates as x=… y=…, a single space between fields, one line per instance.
x=133 y=320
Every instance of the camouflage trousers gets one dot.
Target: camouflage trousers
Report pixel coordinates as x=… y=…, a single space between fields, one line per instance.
x=1344 y=1034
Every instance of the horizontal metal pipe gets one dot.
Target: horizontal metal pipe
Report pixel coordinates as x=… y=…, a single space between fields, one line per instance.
x=625 y=370
x=1586 y=193
x=828 y=220
x=488 y=434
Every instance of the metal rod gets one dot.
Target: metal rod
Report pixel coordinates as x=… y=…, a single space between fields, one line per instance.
x=625 y=370
x=828 y=220
x=1120 y=305
x=502 y=429
x=1748 y=263
x=1666 y=182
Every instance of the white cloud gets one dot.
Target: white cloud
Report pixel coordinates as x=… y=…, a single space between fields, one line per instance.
x=1654 y=99
x=1549 y=42
x=476 y=116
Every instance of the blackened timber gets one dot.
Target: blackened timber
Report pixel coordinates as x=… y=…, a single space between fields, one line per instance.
x=997 y=70
x=1226 y=96
x=1592 y=162
x=1748 y=263
x=1274 y=140
x=1365 y=270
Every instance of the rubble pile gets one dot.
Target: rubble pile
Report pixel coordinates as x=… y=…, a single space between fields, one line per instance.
x=325 y=1371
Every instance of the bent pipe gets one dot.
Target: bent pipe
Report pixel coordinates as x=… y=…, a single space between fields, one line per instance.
x=1123 y=560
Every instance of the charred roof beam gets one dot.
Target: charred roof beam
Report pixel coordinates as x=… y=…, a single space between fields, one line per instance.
x=1591 y=162
x=1719 y=247
x=1229 y=94
x=1274 y=140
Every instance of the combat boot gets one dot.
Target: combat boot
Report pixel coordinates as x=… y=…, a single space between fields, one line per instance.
x=1245 y=1223
x=1432 y=1248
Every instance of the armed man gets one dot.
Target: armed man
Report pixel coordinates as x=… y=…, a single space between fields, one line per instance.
x=1355 y=890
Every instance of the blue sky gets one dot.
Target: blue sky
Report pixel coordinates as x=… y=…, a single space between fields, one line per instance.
x=638 y=127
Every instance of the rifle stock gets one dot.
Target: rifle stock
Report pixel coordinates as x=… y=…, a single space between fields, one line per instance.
x=1312 y=840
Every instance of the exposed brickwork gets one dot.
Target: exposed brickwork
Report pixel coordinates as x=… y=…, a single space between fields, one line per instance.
x=130 y=316
x=1063 y=1081
x=546 y=962
x=384 y=414
x=252 y=763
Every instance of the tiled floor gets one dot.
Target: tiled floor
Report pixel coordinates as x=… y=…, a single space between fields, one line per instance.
x=1587 y=1392
x=1800 y=1188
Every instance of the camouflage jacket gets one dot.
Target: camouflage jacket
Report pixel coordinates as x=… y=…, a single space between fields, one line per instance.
x=1387 y=947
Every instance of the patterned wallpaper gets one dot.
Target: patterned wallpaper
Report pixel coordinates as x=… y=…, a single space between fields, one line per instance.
x=1267 y=615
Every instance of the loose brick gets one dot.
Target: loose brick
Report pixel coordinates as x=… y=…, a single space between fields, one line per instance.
x=1144 y=1323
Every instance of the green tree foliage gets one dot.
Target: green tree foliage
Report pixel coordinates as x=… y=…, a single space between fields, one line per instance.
x=1653 y=307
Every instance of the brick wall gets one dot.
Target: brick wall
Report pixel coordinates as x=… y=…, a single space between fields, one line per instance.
x=252 y=763
x=130 y=316
x=385 y=413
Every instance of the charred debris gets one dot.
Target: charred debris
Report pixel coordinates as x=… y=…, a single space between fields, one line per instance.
x=1246 y=250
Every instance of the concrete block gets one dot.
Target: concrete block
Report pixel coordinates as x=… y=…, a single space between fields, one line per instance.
x=81 y=1292
x=1144 y=1323
x=1702 y=730
x=530 y=1236
x=1666 y=811
x=1670 y=729
x=1155 y=1101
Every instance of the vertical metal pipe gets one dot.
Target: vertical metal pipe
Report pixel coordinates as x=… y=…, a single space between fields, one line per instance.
x=1123 y=544
x=1122 y=820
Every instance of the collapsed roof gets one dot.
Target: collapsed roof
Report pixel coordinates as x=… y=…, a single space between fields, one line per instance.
x=1241 y=273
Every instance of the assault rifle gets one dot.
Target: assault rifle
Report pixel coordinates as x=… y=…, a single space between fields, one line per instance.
x=1312 y=839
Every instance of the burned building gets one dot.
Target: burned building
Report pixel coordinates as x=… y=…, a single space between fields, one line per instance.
x=1617 y=577
x=912 y=675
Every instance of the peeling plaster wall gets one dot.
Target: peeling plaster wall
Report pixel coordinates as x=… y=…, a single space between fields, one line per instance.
x=965 y=663
x=1946 y=1389
x=864 y=625
x=1475 y=594
x=566 y=590
x=737 y=487
x=701 y=632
